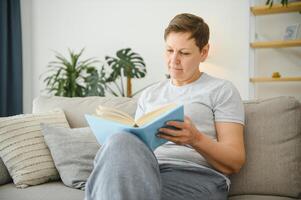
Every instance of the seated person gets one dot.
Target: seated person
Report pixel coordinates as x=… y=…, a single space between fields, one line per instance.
x=200 y=154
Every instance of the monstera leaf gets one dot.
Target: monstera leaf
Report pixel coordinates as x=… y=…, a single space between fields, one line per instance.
x=127 y=64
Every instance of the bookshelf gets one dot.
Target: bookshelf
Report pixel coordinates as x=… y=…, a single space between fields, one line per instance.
x=267 y=10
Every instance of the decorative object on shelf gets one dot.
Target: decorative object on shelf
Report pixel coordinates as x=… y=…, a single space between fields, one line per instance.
x=74 y=77
x=271 y=2
x=276 y=75
x=291 y=32
x=277 y=8
x=127 y=64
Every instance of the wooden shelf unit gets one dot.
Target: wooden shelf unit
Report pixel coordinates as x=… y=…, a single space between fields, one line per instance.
x=267 y=79
x=276 y=44
x=276 y=8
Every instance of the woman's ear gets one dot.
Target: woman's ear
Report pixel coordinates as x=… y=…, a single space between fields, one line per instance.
x=204 y=52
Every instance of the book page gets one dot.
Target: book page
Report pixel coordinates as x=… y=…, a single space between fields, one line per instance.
x=114 y=115
x=148 y=117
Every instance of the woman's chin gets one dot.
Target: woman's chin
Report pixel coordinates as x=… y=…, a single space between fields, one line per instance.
x=176 y=73
x=176 y=76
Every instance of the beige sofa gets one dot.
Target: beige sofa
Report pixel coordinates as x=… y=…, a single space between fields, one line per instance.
x=273 y=144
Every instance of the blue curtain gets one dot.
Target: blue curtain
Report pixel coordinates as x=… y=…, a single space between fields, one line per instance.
x=11 y=94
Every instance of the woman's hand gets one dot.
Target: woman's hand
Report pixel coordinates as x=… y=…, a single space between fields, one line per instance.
x=187 y=133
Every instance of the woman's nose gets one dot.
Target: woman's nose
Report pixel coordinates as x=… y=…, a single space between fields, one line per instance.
x=175 y=58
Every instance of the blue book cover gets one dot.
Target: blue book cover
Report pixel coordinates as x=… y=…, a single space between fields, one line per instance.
x=104 y=128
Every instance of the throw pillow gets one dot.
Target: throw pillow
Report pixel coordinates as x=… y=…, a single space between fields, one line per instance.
x=73 y=152
x=23 y=150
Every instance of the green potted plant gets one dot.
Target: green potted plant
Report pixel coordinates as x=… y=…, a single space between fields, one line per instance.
x=271 y=2
x=127 y=64
x=74 y=77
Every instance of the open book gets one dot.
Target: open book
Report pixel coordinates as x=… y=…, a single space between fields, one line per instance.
x=108 y=121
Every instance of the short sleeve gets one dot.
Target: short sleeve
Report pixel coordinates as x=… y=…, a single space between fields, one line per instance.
x=228 y=106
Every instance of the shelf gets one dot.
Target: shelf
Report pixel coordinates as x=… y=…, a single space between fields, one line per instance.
x=276 y=44
x=267 y=79
x=276 y=8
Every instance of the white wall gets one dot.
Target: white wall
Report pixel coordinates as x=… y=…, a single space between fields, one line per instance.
x=104 y=26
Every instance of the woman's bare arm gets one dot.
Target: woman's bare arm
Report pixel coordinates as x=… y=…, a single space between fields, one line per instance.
x=226 y=155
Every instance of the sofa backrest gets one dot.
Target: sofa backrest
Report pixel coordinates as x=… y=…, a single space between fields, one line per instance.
x=75 y=108
x=273 y=147
x=272 y=139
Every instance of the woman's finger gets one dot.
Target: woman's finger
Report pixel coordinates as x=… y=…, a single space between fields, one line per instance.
x=177 y=124
x=169 y=138
x=170 y=132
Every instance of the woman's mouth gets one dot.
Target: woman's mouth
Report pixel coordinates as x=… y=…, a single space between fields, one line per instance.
x=176 y=69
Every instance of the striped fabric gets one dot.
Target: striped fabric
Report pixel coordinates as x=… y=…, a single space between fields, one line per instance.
x=23 y=150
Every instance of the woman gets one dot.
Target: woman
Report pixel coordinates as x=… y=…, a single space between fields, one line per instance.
x=206 y=148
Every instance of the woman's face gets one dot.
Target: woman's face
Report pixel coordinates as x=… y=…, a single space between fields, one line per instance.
x=183 y=57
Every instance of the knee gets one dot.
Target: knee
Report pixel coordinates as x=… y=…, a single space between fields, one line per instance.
x=122 y=140
x=120 y=147
x=115 y=149
x=124 y=147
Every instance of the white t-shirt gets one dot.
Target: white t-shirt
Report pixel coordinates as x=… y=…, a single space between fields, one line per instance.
x=206 y=101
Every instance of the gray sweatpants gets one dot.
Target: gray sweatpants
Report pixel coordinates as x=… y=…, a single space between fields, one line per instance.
x=124 y=168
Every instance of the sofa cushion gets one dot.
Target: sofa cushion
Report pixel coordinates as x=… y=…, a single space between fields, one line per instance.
x=46 y=191
x=273 y=147
x=76 y=107
x=4 y=175
x=73 y=152
x=23 y=150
